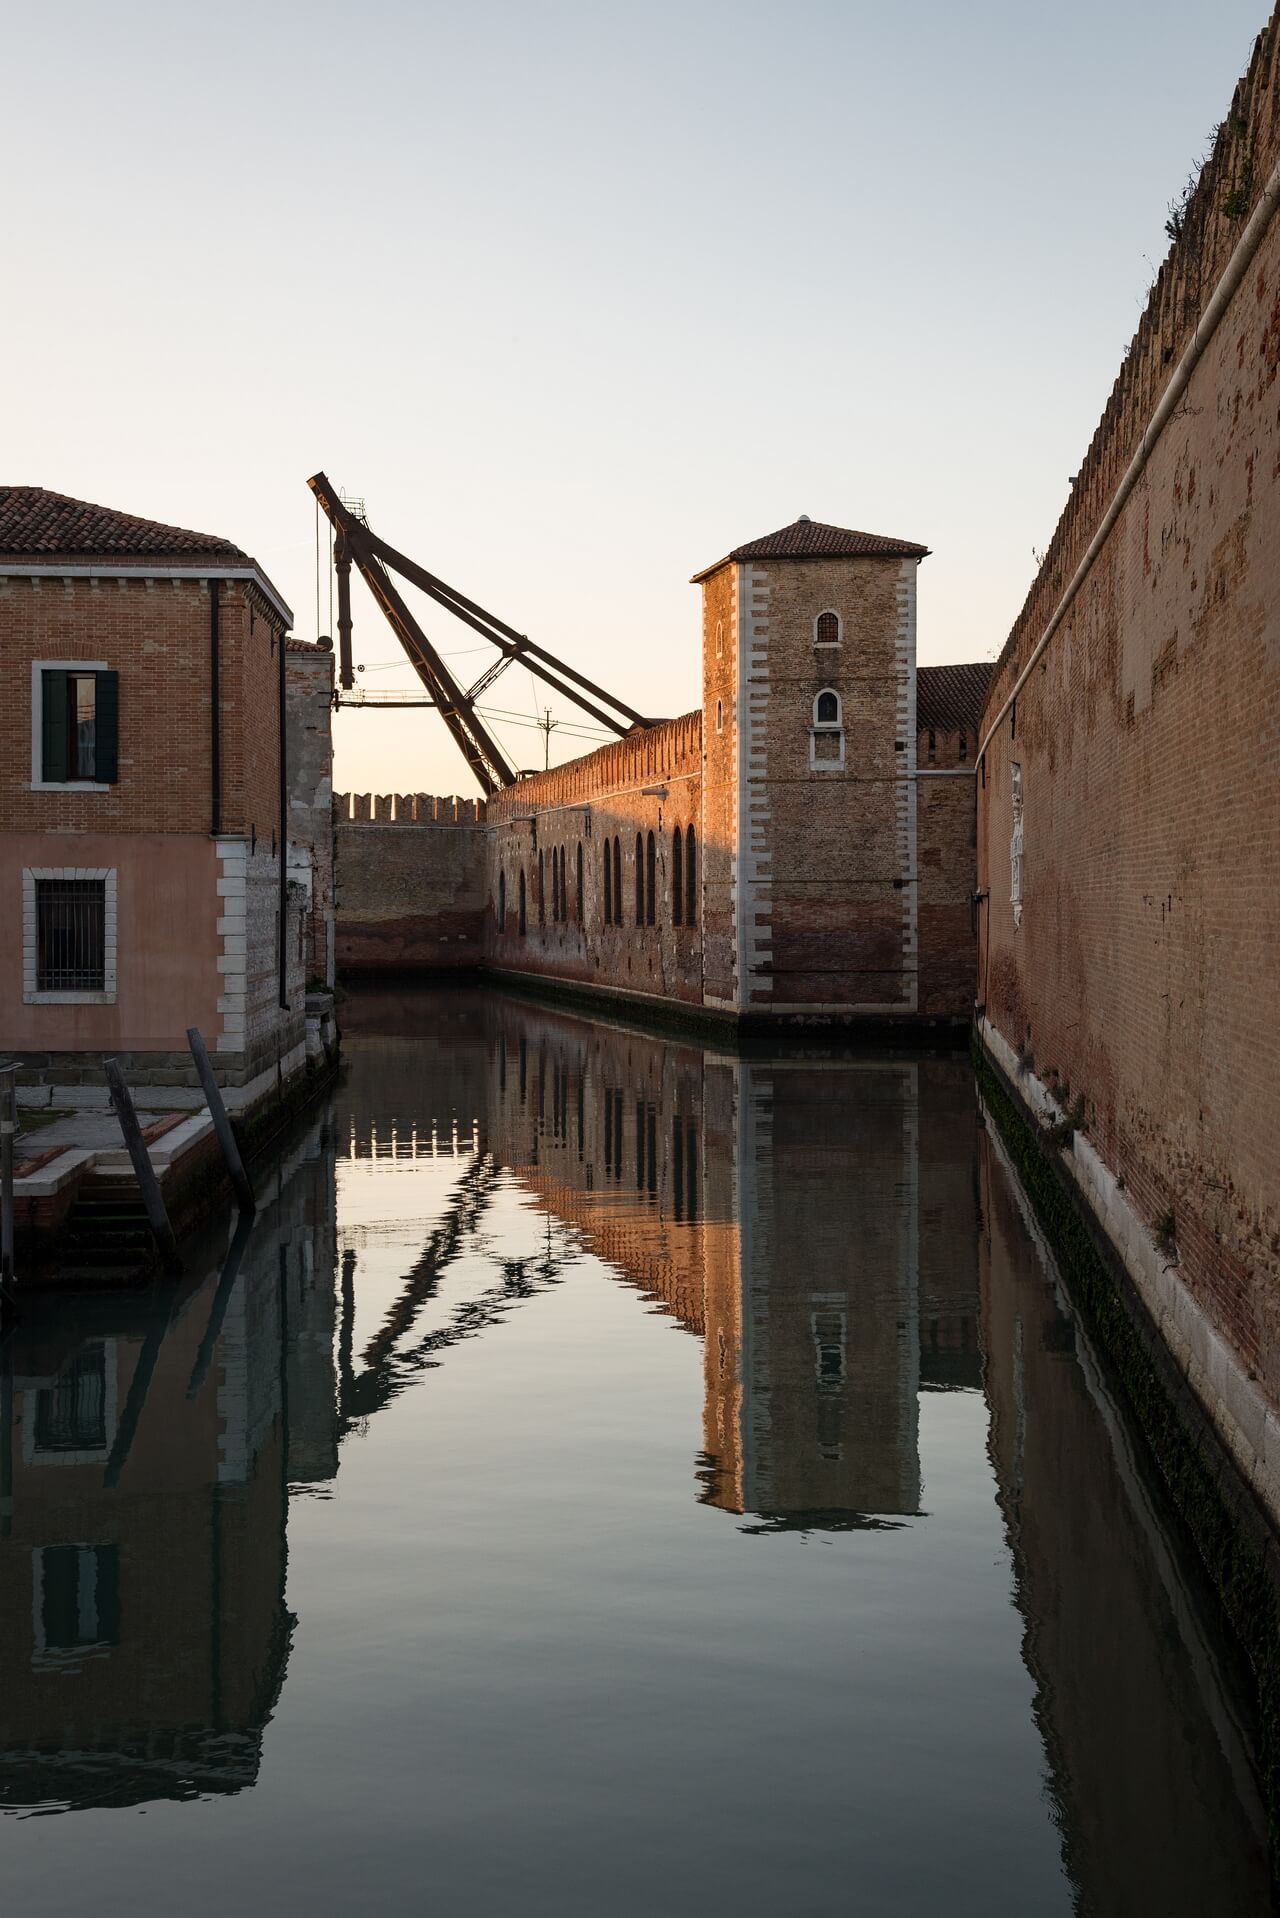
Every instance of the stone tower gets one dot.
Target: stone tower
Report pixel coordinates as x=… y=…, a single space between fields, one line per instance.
x=809 y=751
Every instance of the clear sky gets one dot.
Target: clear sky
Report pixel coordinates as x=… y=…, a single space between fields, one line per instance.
x=579 y=296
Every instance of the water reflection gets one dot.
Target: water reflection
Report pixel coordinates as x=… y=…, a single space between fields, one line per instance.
x=889 y=1370
x=148 y=1445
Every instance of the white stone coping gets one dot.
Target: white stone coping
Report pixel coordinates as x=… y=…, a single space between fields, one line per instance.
x=1234 y=1403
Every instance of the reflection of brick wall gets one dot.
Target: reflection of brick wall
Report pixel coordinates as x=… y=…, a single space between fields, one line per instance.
x=410 y=882
x=1143 y=974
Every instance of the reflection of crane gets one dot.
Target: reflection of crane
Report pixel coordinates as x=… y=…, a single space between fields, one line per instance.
x=387 y=1366
x=376 y=561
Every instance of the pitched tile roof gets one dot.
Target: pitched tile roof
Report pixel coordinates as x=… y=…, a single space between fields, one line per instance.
x=807 y=538
x=949 y=699
x=36 y=524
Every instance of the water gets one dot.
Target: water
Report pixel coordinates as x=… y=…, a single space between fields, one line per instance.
x=610 y=1477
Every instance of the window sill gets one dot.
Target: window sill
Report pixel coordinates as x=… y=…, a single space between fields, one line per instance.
x=105 y=998
x=67 y=786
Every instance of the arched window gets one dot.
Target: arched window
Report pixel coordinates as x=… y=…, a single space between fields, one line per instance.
x=827 y=630
x=719 y=715
x=608 y=883
x=639 y=880
x=826 y=735
x=502 y=902
x=542 y=892
x=582 y=914
x=690 y=879
x=677 y=877
x=719 y=639
x=617 y=880
x=524 y=915
x=651 y=882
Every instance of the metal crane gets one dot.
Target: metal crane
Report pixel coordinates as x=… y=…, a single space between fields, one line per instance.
x=354 y=541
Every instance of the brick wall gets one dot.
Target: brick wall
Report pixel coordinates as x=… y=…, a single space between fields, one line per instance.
x=649 y=782
x=1143 y=976
x=826 y=908
x=309 y=753
x=410 y=882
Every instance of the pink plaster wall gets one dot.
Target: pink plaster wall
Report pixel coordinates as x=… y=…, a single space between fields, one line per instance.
x=167 y=943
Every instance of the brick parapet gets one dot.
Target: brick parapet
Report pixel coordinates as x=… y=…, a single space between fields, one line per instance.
x=1245 y=151
x=669 y=751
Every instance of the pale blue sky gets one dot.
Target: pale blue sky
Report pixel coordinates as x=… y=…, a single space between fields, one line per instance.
x=578 y=297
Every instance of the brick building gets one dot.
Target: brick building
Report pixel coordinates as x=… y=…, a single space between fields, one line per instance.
x=789 y=851
x=145 y=813
x=800 y=847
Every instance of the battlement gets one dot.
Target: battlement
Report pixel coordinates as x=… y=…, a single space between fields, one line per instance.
x=668 y=751
x=406 y=809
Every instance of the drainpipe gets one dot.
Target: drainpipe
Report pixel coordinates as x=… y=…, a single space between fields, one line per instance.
x=284 y=841
x=215 y=716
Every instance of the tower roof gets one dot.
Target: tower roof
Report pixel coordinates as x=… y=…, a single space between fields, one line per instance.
x=807 y=538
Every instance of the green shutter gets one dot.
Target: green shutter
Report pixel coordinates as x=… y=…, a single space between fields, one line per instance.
x=53 y=726
x=106 y=726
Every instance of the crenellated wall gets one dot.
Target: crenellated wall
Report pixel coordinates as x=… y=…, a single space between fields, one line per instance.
x=410 y=882
x=647 y=783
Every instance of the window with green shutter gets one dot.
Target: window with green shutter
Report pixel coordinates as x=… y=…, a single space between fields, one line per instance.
x=79 y=726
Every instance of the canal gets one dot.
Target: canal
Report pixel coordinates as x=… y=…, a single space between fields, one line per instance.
x=610 y=1477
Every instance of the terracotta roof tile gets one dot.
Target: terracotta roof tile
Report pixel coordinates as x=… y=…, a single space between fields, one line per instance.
x=949 y=699
x=36 y=524
x=813 y=539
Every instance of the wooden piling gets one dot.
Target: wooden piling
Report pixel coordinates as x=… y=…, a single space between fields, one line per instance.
x=221 y=1123
x=144 y=1171
x=8 y=1134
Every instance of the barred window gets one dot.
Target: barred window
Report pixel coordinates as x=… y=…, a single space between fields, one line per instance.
x=826 y=629
x=71 y=935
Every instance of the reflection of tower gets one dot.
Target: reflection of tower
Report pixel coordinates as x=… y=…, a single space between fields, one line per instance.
x=812 y=1335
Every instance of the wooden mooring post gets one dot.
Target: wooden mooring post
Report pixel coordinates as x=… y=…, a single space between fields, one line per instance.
x=221 y=1123
x=8 y=1137
x=144 y=1171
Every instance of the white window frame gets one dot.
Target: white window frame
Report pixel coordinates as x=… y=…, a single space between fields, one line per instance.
x=826 y=729
x=31 y=994
x=827 y=644
x=38 y=667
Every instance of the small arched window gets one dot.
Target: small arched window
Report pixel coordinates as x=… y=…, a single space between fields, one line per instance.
x=964 y=745
x=608 y=883
x=502 y=902
x=677 y=877
x=690 y=879
x=639 y=880
x=617 y=880
x=826 y=736
x=719 y=715
x=651 y=882
x=581 y=901
x=719 y=639
x=524 y=911
x=827 y=629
